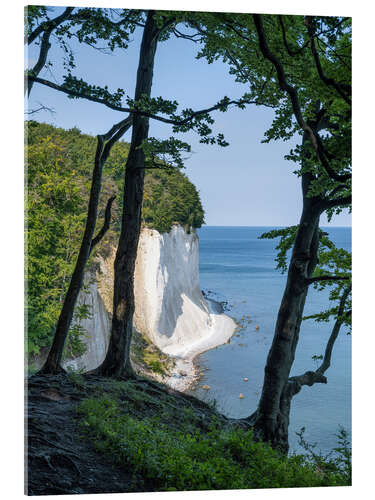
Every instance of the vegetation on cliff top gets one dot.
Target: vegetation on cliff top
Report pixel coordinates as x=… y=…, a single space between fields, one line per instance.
x=59 y=164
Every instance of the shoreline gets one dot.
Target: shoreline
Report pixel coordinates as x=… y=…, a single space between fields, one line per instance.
x=186 y=373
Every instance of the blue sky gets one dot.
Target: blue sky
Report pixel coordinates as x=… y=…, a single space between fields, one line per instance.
x=247 y=183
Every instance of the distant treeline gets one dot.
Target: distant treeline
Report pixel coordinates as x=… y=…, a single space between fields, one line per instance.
x=59 y=165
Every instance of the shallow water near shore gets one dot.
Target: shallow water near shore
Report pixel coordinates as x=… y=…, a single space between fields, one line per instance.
x=238 y=268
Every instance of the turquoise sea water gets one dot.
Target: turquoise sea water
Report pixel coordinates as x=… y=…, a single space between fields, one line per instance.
x=237 y=267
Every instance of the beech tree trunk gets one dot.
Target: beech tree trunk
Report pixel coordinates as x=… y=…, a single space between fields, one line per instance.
x=271 y=419
x=272 y=416
x=117 y=360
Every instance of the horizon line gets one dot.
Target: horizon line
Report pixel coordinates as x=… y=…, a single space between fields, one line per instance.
x=262 y=225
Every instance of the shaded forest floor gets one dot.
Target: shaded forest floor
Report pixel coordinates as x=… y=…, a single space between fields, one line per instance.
x=90 y=434
x=63 y=461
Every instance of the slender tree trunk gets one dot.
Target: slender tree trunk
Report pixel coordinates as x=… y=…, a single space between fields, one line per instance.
x=117 y=360
x=272 y=416
x=52 y=364
x=271 y=419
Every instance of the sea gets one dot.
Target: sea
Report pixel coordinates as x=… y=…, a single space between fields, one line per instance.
x=239 y=270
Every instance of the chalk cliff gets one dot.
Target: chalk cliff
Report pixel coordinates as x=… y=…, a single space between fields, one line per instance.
x=97 y=326
x=170 y=308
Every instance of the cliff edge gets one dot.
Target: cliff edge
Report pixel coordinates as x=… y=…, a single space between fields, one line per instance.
x=170 y=310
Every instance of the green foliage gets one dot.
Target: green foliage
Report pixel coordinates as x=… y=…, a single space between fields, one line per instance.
x=59 y=165
x=55 y=217
x=332 y=261
x=93 y=25
x=34 y=15
x=165 y=153
x=169 y=199
x=90 y=26
x=80 y=86
x=74 y=345
x=188 y=458
x=147 y=356
x=339 y=459
x=287 y=236
x=234 y=39
x=110 y=29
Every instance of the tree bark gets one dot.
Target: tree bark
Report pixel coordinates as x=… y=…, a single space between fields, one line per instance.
x=294 y=384
x=271 y=419
x=117 y=361
x=52 y=364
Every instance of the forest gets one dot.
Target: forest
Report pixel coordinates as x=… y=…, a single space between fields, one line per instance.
x=58 y=167
x=85 y=194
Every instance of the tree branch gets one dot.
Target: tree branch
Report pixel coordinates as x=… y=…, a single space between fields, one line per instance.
x=192 y=38
x=290 y=52
x=283 y=85
x=49 y=25
x=101 y=155
x=41 y=108
x=336 y=202
x=326 y=278
x=310 y=378
x=339 y=56
x=107 y=222
x=337 y=189
x=246 y=76
x=44 y=48
x=115 y=134
x=323 y=77
x=326 y=363
x=46 y=29
x=171 y=121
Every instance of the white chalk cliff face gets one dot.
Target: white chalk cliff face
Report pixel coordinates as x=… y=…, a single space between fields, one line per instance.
x=169 y=306
x=97 y=326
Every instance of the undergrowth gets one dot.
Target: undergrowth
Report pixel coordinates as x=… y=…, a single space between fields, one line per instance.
x=189 y=457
